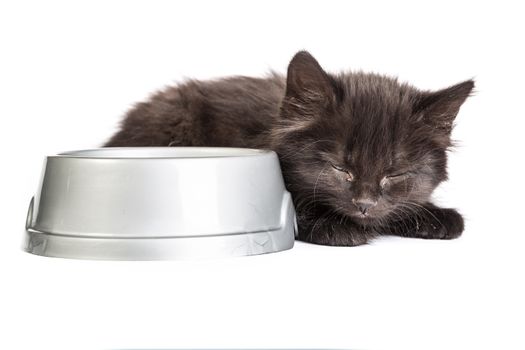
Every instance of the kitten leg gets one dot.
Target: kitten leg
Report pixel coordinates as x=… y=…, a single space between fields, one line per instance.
x=428 y=221
x=332 y=231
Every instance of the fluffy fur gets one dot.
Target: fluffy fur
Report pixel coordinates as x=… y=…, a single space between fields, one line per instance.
x=360 y=153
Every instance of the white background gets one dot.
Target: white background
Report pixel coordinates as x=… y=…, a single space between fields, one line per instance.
x=69 y=71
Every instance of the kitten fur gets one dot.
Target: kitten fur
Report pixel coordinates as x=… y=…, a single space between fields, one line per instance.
x=360 y=153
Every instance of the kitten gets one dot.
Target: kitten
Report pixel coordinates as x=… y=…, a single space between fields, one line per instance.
x=360 y=153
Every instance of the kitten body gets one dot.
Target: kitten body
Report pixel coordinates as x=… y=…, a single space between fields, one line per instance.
x=230 y=112
x=360 y=153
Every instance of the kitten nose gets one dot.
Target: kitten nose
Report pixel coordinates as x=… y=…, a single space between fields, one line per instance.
x=364 y=204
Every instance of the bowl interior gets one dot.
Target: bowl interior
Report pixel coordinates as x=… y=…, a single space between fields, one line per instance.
x=163 y=152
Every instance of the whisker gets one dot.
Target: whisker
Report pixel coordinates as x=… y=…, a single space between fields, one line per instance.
x=425 y=209
x=317 y=180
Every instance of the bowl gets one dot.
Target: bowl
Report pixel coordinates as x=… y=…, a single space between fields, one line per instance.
x=156 y=203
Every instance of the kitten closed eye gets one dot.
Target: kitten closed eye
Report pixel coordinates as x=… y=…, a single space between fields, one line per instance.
x=394 y=178
x=398 y=175
x=337 y=167
x=349 y=177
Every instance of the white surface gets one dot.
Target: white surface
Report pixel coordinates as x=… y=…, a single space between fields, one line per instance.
x=69 y=71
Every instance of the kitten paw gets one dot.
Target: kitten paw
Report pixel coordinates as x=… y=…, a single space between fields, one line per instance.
x=447 y=224
x=337 y=241
x=431 y=223
x=334 y=234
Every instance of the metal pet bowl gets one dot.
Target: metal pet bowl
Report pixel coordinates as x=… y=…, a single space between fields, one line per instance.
x=160 y=203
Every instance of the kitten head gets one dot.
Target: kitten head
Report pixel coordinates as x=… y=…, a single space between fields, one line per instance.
x=362 y=145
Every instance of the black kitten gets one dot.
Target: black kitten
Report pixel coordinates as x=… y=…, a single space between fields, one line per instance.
x=360 y=153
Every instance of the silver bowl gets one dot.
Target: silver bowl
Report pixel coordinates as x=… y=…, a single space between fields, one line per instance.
x=160 y=203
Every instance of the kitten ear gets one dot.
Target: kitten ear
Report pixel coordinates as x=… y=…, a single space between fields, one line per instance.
x=440 y=108
x=307 y=81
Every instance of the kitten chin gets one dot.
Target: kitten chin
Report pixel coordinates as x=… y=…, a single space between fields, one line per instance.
x=360 y=153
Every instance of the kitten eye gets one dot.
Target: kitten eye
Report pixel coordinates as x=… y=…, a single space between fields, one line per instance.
x=349 y=175
x=338 y=168
x=393 y=177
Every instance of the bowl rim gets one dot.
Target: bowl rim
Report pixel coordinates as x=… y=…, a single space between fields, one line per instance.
x=186 y=152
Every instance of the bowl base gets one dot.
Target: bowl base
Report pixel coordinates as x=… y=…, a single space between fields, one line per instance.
x=158 y=248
